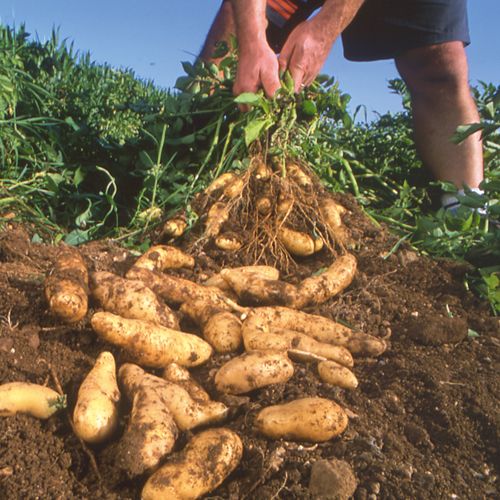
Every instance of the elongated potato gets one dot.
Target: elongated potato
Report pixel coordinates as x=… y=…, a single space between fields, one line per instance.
x=217 y=281
x=175 y=291
x=266 y=272
x=223 y=332
x=130 y=299
x=234 y=188
x=174 y=228
x=150 y=434
x=162 y=257
x=335 y=374
x=318 y=289
x=286 y=340
x=187 y=412
x=268 y=319
x=66 y=287
x=203 y=465
x=217 y=215
x=296 y=242
x=257 y=291
x=181 y=376
x=152 y=345
x=220 y=328
x=35 y=400
x=95 y=416
x=253 y=371
x=229 y=242
x=220 y=183
x=306 y=419
x=331 y=212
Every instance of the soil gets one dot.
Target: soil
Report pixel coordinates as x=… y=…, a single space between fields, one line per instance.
x=424 y=421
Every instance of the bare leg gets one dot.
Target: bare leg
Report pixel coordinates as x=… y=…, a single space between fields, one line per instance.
x=222 y=28
x=437 y=78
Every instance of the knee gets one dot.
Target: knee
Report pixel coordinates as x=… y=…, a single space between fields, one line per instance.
x=435 y=69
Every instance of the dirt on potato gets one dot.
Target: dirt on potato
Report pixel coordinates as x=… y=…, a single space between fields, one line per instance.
x=423 y=422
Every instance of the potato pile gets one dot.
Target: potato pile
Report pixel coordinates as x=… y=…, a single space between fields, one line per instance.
x=269 y=214
x=246 y=313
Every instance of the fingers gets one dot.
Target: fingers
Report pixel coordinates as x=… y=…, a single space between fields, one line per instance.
x=290 y=58
x=270 y=79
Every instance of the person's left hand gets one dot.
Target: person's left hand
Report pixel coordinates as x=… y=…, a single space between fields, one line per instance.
x=304 y=53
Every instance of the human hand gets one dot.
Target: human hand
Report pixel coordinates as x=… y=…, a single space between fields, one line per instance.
x=257 y=68
x=304 y=53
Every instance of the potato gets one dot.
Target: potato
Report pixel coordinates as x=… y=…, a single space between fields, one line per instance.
x=162 y=257
x=150 y=434
x=223 y=332
x=331 y=212
x=296 y=242
x=306 y=419
x=298 y=175
x=257 y=291
x=264 y=205
x=268 y=319
x=229 y=242
x=200 y=311
x=35 y=400
x=221 y=329
x=285 y=340
x=95 y=416
x=219 y=282
x=262 y=172
x=175 y=291
x=187 y=412
x=234 y=188
x=318 y=289
x=220 y=183
x=203 y=465
x=181 y=376
x=285 y=206
x=173 y=228
x=152 y=345
x=335 y=374
x=216 y=217
x=130 y=299
x=266 y=272
x=253 y=371
x=66 y=287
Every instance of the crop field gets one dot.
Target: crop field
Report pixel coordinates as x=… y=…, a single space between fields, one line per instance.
x=197 y=301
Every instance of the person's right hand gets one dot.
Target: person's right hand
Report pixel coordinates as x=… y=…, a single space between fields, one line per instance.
x=257 y=68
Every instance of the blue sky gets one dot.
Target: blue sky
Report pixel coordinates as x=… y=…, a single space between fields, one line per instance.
x=154 y=36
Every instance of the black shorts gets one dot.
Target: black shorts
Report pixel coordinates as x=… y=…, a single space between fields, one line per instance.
x=382 y=29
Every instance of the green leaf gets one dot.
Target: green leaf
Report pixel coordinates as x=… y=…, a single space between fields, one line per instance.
x=288 y=82
x=253 y=130
x=78 y=176
x=77 y=236
x=309 y=108
x=69 y=120
x=188 y=68
x=472 y=334
x=248 y=98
